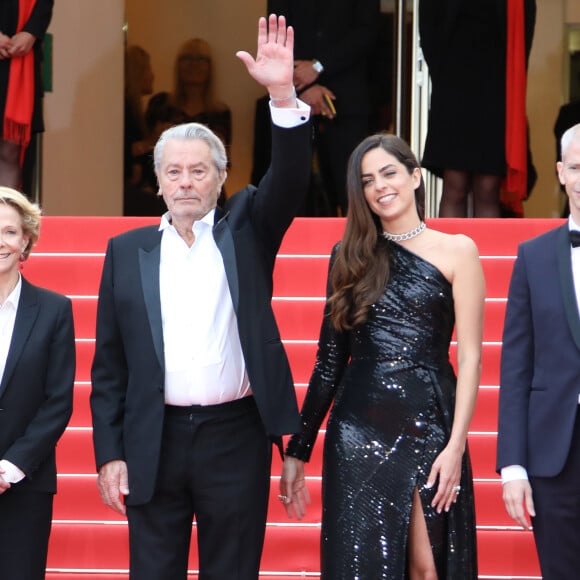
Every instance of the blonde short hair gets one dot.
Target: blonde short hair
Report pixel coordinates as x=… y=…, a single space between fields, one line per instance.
x=29 y=212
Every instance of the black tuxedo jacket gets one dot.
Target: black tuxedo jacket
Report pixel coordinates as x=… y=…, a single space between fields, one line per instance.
x=540 y=363
x=127 y=397
x=36 y=392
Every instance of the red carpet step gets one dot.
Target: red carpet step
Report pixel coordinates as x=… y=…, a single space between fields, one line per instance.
x=89 y=542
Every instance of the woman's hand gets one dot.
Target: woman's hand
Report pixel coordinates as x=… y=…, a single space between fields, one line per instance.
x=447 y=469
x=293 y=491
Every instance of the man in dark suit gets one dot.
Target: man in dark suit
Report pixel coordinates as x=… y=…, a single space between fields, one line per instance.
x=333 y=46
x=568 y=115
x=539 y=424
x=190 y=379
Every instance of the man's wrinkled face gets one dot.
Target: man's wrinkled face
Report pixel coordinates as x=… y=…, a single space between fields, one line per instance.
x=188 y=179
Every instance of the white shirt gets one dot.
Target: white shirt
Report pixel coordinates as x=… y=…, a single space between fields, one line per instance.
x=513 y=472
x=575 y=262
x=7 y=319
x=204 y=363
x=288 y=118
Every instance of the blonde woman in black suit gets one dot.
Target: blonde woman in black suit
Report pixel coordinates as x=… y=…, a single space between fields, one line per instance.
x=37 y=367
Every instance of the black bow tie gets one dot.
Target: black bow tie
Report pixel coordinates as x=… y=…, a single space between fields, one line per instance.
x=575 y=238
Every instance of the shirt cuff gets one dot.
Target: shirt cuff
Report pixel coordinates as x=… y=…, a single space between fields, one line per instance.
x=11 y=473
x=288 y=118
x=513 y=472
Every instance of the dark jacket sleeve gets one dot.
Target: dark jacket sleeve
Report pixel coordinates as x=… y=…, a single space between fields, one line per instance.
x=40 y=18
x=516 y=371
x=282 y=191
x=109 y=374
x=331 y=359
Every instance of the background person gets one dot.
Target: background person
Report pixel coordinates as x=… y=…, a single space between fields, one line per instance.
x=193 y=98
x=465 y=45
x=37 y=368
x=23 y=24
x=140 y=190
x=333 y=48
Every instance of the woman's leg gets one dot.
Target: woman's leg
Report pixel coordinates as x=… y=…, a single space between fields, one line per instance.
x=486 y=191
x=10 y=172
x=456 y=185
x=421 y=561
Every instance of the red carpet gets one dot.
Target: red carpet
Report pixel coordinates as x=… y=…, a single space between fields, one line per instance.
x=90 y=542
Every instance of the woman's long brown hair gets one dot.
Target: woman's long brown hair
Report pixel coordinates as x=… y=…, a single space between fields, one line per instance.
x=361 y=267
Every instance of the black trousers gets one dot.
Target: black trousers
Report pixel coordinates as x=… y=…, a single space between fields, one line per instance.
x=215 y=466
x=25 y=521
x=557 y=521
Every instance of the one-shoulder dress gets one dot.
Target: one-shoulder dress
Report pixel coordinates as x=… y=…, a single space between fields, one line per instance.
x=393 y=389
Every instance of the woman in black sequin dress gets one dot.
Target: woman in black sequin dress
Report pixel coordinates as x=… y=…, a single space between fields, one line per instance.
x=397 y=487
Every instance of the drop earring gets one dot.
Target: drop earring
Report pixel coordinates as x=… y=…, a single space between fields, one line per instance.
x=21 y=259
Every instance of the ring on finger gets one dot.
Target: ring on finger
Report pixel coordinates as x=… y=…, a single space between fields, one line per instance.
x=284 y=499
x=456 y=488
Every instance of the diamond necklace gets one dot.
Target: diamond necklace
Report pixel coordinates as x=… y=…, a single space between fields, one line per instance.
x=406 y=236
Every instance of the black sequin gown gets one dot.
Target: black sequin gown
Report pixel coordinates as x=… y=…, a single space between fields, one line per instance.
x=393 y=389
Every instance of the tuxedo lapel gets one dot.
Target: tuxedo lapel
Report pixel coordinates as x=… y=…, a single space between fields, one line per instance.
x=149 y=261
x=567 y=283
x=225 y=243
x=26 y=315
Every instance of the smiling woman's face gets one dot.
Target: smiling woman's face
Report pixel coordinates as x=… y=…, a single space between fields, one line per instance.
x=388 y=187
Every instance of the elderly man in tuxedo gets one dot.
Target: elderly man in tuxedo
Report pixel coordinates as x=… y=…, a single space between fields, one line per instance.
x=538 y=452
x=191 y=383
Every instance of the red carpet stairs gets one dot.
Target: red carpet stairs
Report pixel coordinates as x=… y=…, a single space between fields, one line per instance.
x=89 y=542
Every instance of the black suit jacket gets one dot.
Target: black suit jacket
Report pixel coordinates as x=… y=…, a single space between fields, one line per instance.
x=540 y=363
x=36 y=392
x=341 y=34
x=127 y=397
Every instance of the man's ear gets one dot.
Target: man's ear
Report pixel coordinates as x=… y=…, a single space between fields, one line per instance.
x=560 y=169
